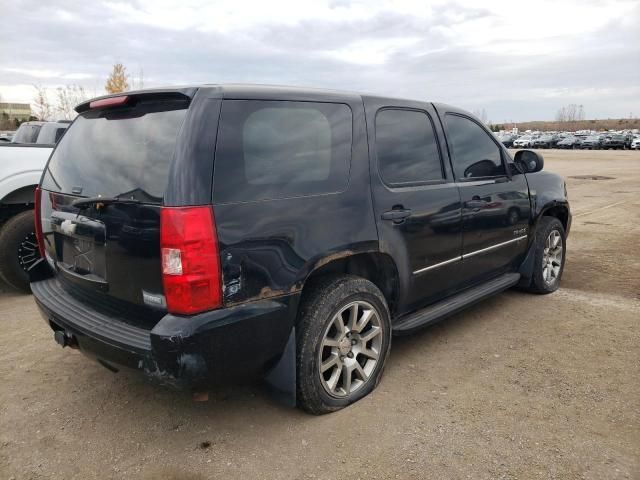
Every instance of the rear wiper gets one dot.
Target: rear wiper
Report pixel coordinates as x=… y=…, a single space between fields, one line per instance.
x=85 y=202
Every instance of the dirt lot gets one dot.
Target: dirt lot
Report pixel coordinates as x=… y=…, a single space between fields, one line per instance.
x=520 y=386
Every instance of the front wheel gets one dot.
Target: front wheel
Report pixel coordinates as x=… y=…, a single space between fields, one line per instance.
x=343 y=340
x=550 y=250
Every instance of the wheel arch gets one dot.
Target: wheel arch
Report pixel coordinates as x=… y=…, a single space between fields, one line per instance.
x=23 y=195
x=558 y=210
x=377 y=267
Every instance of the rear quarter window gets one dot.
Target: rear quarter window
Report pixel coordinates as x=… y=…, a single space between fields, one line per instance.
x=280 y=149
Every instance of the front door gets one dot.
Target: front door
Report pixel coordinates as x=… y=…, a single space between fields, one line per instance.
x=416 y=202
x=495 y=204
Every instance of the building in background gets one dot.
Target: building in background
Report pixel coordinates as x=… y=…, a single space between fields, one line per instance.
x=15 y=111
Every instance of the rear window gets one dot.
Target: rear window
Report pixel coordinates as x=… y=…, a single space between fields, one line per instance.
x=51 y=133
x=280 y=149
x=123 y=152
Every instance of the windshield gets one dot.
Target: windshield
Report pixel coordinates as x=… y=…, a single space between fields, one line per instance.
x=593 y=138
x=118 y=152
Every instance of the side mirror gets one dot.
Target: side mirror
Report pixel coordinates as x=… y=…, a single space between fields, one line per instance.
x=528 y=161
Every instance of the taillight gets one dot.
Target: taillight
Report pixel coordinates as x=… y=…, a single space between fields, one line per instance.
x=38 y=220
x=190 y=261
x=109 y=102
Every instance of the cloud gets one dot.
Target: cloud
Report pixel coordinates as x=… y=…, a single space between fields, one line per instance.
x=517 y=63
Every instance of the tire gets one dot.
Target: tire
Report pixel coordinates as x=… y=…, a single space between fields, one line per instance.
x=18 y=250
x=330 y=302
x=546 y=277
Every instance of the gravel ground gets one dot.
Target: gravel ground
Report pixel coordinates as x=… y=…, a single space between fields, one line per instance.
x=519 y=386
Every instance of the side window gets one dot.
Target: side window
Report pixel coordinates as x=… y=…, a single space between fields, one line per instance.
x=279 y=149
x=475 y=154
x=59 y=132
x=406 y=147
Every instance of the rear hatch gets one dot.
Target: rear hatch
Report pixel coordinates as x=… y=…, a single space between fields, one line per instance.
x=101 y=198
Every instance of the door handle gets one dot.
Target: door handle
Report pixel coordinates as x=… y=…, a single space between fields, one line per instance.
x=397 y=215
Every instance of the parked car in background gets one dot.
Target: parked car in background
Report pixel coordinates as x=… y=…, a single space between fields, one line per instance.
x=569 y=142
x=523 y=142
x=507 y=140
x=635 y=143
x=44 y=133
x=6 y=136
x=592 y=142
x=21 y=164
x=27 y=132
x=545 y=141
x=615 y=142
x=291 y=260
x=51 y=132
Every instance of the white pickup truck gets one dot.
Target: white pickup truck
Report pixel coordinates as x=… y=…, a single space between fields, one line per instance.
x=21 y=166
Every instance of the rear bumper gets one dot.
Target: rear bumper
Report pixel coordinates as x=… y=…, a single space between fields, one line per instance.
x=194 y=351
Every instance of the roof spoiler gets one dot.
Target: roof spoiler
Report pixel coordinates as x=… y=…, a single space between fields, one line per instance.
x=128 y=98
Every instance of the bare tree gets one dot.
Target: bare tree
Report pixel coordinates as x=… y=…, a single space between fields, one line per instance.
x=482 y=115
x=137 y=83
x=570 y=113
x=117 y=81
x=68 y=97
x=41 y=104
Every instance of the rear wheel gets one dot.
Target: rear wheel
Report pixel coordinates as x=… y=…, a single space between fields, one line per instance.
x=344 y=335
x=18 y=250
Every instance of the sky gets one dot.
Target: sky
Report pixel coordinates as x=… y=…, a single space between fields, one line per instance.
x=517 y=61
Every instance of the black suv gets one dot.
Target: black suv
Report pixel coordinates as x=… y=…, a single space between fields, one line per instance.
x=546 y=141
x=615 y=142
x=210 y=233
x=592 y=142
x=570 y=141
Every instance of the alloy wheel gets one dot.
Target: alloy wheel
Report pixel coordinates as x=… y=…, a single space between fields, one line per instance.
x=28 y=252
x=350 y=349
x=552 y=257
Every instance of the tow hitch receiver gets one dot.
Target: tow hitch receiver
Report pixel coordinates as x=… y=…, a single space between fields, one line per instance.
x=64 y=339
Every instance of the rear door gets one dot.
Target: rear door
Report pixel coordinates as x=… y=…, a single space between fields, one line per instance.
x=416 y=203
x=495 y=204
x=101 y=197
